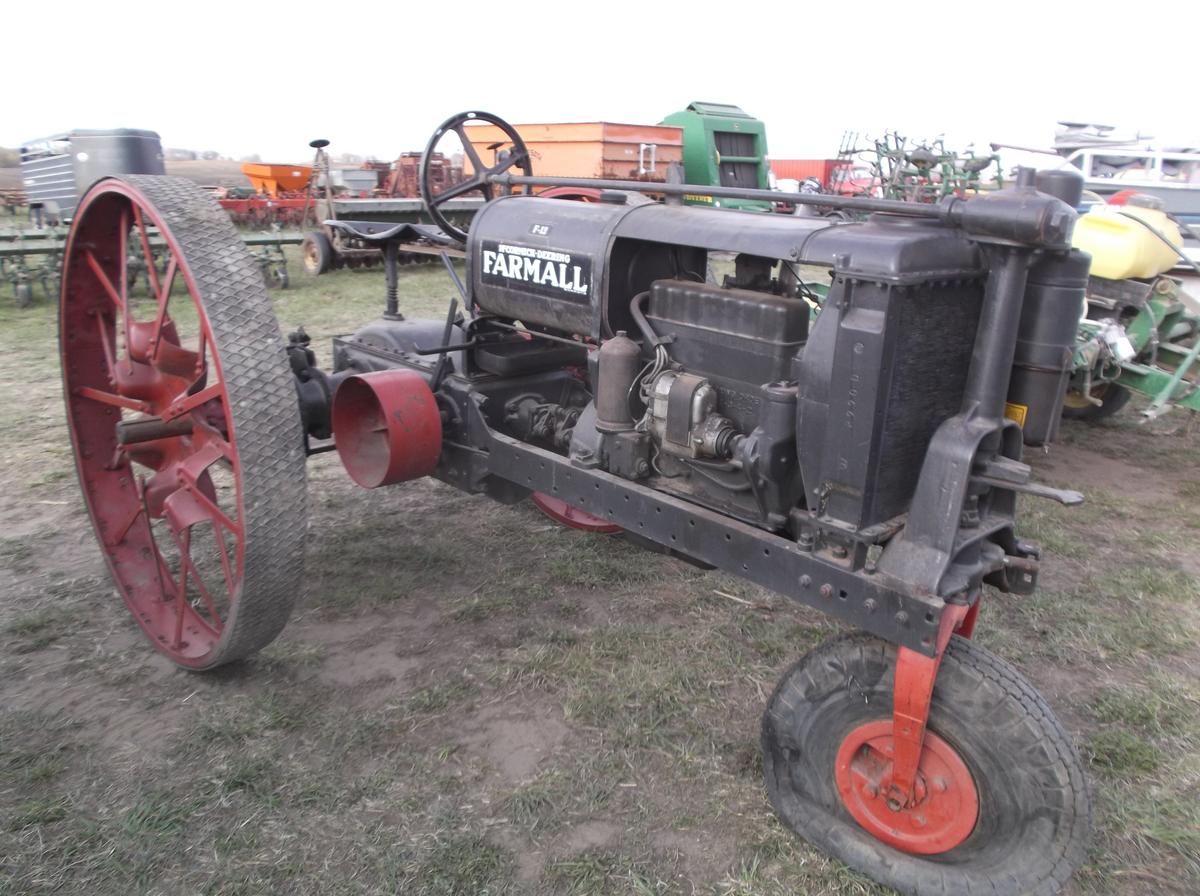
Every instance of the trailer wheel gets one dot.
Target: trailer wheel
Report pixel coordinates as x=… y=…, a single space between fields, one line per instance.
x=1002 y=805
x=184 y=422
x=275 y=277
x=317 y=252
x=1076 y=407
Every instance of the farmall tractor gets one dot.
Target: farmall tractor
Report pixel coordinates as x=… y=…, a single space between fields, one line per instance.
x=860 y=463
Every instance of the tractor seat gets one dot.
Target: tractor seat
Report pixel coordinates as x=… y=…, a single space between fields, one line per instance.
x=382 y=232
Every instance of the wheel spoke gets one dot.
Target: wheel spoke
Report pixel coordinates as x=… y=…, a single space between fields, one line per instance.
x=190 y=471
x=469 y=149
x=117 y=401
x=514 y=158
x=226 y=569
x=476 y=183
x=187 y=564
x=181 y=604
x=94 y=264
x=138 y=510
x=123 y=267
x=160 y=319
x=151 y=270
x=191 y=402
x=110 y=351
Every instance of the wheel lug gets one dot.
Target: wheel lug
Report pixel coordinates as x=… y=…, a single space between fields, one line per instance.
x=919 y=820
x=940 y=785
x=894 y=804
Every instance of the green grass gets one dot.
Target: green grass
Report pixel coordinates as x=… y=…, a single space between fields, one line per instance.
x=1122 y=753
x=271 y=777
x=40 y=628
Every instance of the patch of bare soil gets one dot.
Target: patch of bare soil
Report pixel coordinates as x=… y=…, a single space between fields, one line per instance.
x=468 y=694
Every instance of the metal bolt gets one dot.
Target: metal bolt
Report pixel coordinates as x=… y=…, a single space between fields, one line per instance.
x=805 y=581
x=869 y=605
x=826 y=590
x=940 y=785
x=919 y=820
x=840 y=551
x=894 y=805
x=902 y=618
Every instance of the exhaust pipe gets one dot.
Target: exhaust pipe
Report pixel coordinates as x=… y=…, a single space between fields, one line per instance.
x=387 y=427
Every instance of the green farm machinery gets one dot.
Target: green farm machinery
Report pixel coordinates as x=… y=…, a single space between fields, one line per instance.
x=1137 y=333
x=29 y=257
x=912 y=171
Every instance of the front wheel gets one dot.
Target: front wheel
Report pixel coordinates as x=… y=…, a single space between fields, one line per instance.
x=1111 y=396
x=1000 y=805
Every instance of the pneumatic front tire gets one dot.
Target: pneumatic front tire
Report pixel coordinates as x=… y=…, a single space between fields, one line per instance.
x=1002 y=804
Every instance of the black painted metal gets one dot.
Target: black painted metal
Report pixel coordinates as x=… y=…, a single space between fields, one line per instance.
x=850 y=203
x=746 y=551
x=1054 y=293
x=869 y=471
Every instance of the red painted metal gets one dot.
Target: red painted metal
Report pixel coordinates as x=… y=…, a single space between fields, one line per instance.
x=915 y=673
x=172 y=538
x=799 y=169
x=387 y=427
x=562 y=512
x=901 y=782
x=945 y=803
x=261 y=211
x=966 y=628
x=579 y=194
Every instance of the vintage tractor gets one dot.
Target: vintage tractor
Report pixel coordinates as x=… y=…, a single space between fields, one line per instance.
x=862 y=464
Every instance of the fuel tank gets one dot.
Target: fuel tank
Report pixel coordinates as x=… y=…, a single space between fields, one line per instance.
x=542 y=261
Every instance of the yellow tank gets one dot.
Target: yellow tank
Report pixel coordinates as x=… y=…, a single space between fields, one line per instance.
x=1122 y=248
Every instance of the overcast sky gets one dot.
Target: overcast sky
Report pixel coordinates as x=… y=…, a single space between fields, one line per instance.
x=376 y=78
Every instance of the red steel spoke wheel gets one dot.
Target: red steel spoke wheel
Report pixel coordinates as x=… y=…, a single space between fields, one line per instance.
x=183 y=419
x=945 y=804
x=1000 y=804
x=564 y=514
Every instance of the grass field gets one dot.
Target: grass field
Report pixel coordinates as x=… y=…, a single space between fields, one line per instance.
x=471 y=700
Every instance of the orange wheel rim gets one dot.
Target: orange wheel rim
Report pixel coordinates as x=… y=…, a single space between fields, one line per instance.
x=944 y=806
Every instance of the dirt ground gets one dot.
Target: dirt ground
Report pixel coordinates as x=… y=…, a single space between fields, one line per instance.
x=471 y=700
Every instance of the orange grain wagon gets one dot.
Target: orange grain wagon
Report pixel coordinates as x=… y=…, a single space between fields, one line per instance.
x=588 y=149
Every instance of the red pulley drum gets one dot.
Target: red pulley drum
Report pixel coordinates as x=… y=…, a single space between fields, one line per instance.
x=387 y=427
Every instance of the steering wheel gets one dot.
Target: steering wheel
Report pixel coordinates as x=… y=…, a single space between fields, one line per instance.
x=517 y=157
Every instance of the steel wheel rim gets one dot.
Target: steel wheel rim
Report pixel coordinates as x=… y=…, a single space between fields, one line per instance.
x=1077 y=402
x=312 y=257
x=117 y=364
x=945 y=806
